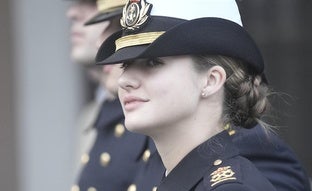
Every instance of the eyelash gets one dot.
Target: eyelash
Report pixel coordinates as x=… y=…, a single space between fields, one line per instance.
x=124 y=65
x=151 y=63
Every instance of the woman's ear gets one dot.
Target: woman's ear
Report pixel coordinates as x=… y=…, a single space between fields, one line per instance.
x=214 y=80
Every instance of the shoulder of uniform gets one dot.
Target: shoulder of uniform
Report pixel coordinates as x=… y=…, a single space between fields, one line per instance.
x=222 y=175
x=225 y=172
x=234 y=186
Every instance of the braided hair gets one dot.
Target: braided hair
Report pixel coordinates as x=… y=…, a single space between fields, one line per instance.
x=246 y=93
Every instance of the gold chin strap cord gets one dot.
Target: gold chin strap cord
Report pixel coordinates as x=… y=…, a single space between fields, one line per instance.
x=106 y=5
x=137 y=39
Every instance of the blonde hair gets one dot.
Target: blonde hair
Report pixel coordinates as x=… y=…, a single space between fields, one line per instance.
x=246 y=94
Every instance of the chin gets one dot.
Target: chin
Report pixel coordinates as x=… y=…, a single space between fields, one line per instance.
x=135 y=127
x=79 y=56
x=79 y=59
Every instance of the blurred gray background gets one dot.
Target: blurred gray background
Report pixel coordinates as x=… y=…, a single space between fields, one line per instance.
x=41 y=91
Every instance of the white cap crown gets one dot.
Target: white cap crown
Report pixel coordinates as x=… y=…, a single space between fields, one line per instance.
x=192 y=9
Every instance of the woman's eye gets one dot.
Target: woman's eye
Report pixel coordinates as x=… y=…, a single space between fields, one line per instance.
x=124 y=65
x=154 y=63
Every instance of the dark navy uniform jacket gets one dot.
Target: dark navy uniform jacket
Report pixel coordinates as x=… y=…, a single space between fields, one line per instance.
x=275 y=160
x=113 y=159
x=273 y=157
x=151 y=170
x=215 y=165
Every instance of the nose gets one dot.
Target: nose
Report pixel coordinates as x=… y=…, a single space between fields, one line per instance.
x=72 y=12
x=129 y=80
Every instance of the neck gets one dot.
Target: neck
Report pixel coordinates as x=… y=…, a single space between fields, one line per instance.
x=178 y=140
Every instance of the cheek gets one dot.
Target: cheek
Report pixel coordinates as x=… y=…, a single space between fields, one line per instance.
x=160 y=87
x=94 y=34
x=167 y=93
x=178 y=94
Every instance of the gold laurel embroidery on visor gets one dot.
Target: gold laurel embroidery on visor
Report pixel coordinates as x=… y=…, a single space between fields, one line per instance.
x=137 y=39
x=105 y=5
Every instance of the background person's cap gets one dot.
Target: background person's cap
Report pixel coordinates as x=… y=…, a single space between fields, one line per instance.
x=107 y=9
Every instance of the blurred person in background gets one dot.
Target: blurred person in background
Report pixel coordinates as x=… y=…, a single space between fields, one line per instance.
x=110 y=158
x=83 y=52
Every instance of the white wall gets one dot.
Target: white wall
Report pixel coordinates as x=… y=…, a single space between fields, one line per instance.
x=48 y=95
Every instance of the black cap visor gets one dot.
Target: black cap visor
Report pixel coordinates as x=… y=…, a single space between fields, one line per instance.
x=104 y=16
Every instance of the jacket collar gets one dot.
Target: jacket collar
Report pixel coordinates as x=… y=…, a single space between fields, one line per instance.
x=193 y=166
x=110 y=113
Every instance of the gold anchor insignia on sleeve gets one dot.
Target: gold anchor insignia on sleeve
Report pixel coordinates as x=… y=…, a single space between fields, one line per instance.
x=222 y=174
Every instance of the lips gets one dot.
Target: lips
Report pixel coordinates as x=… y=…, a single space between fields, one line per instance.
x=76 y=36
x=132 y=102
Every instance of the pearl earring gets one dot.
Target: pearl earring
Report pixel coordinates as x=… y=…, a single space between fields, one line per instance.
x=204 y=94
